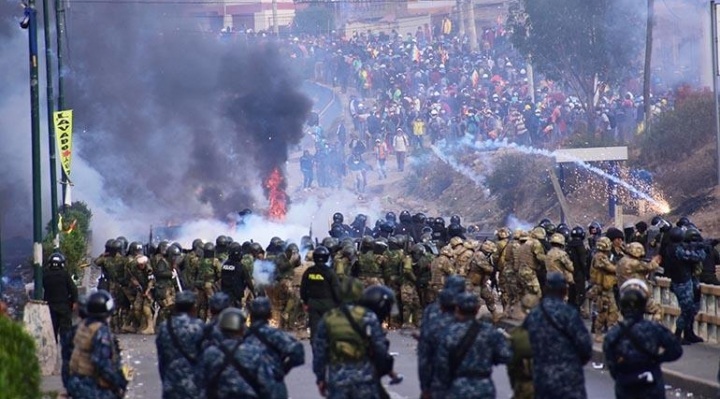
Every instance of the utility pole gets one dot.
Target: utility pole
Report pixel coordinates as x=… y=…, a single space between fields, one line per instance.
x=60 y=33
x=276 y=29
x=30 y=22
x=461 y=18
x=51 y=126
x=648 y=61
x=470 y=25
x=716 y=67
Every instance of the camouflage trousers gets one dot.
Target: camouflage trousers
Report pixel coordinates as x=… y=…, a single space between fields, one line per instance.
x=607 y=311
x=411 y=305
x=688 y=310
x=166 y=300
x=369 y=281
x=142 y=311
x=203 y=300
x=282 y=293
x=509 y=288
x=530 y=293
x=430 y=294
x=485 y=292
x=297 y=318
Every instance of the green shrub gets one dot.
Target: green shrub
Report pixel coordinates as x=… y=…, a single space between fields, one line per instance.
x=19 y=367
x=73 y=237
x=682 y=131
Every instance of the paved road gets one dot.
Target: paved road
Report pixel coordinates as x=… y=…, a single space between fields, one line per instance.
x=139 y=352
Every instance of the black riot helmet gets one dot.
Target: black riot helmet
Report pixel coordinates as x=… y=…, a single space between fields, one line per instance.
x=360 y=220
x=256 y=249
x=655 y=220
x=108 y=245
x=330 y=243
x=100 y=304
x=208 y=250
x=306 y=243
x=116 y=247
x=440 y=222
x=172 y=252
x=683 y=221
x=395 y=243
x=455 y=219
x=321 y=255
x=390 y=217
x=162 y=247
x=564 y=231
x=56 y=260
x=380 y=299
x=693 y=235
x=221 y=242
x=291 y=249
x=123 y=243
x=405 y=217
x=418 y=251
x=235 y=251
x=676 y=234
x=367 y=243
x=135 y=248
x=455 y=230
x=578 y=232
x=419 y=218
x=338 y=218
x=337 y=231
x=246 y=247
x=197 y=244
x=380 y=247
x=260 y=308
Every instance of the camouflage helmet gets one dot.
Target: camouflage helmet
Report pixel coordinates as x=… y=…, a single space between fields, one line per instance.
x=418 y=251
x=636 y=250
x=538 y=233
x=603 y=244
x=517 y=233
x=557 y=239
x=446 y=251
x=523 y=236
x=455 y=241
x=488 y=247
x=348 y=251
x=502 y=233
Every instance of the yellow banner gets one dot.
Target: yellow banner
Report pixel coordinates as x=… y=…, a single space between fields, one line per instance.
x=63 y=121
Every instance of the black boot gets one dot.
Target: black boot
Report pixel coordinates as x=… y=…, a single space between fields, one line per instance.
x=691 y=337
x=679 y=336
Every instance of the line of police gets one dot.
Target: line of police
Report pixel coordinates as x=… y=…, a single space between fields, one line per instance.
x=519 y=278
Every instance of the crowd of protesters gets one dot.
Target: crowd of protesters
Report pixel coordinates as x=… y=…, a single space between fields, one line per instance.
x=409 y=92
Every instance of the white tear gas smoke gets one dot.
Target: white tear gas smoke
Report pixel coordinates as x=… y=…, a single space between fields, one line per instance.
x=476 y=178
x=263 y=272
x=658 y=205
x=513 y=222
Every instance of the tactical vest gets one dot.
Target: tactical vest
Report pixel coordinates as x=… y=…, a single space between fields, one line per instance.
x=394 y=265
x=232 y=280
x=208 y=272
x=368 y=266
x=163 y=274
x=119 y=271
x=80 y=360
x=142 y=276
x=346 y=345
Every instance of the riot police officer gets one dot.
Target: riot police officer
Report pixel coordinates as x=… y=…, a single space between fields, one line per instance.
x=234 y=278
x=60 y=293
x=319 y=288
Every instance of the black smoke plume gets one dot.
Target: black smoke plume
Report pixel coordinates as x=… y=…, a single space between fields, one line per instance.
x=173 y=116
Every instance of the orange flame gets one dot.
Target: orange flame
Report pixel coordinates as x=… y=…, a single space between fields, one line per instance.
x=277 y=196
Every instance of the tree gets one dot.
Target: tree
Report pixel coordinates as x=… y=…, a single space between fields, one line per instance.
x=74 y=235
x=314 y=20
x=583 y=44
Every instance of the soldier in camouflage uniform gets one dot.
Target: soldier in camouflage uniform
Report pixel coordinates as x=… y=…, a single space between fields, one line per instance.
x=142 y=282
x=283 y=306
x=520 y=368
x=479 y=275
x=392 y=274
x=421 y=264
x=530 y=262
x=208 y=277
x=436 y=317
x=159 y=254
x=234 y=368
x=345 y=261
x=499 y=259
x=560 y=342
x=409 y=295
x=465 y=371
x=457 y=248
x=179 y=342
x=440 y=269
x=636 y=348
x=95 y=370
x=297 y=318
x=633 y=266
x=344 y=355
x=510 y=271
x=557 y=260
x=368 y=267
x=282 y=351
x=604 y=279
x=165 y=284
x=222 y=247
x=191 y=267
x=112 y=264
